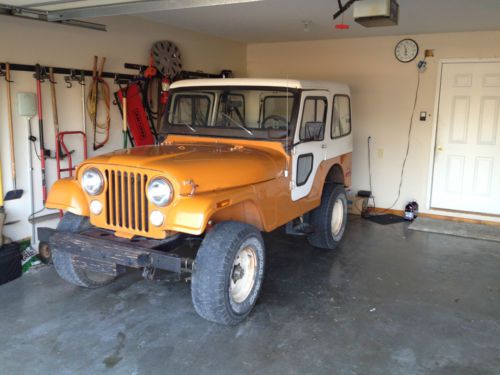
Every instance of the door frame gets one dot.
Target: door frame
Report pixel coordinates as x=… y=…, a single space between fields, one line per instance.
x=437 y=97
x=316 y=148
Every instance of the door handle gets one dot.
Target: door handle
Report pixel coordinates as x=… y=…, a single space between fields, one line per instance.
x=323 y=146
x=439 y=148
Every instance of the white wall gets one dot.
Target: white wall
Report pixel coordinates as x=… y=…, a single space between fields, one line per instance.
x=382 y=98
x=382 y=89
x=128 y=40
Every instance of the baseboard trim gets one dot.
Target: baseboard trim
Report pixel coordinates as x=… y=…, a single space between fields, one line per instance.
x=438 y=217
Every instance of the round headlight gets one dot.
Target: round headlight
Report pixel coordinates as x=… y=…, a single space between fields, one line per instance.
x=92 y=181
x=160 y=192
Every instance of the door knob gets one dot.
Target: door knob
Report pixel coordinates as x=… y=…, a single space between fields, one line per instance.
x=439 y=148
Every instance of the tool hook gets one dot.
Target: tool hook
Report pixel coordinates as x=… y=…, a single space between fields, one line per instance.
x=67 y=79
x=81 y=78
x=53 y=81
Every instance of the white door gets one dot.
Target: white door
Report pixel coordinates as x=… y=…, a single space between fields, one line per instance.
x=307 y=154
x=466 y=173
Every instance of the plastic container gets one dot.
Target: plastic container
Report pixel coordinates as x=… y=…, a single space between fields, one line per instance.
x=10 y=262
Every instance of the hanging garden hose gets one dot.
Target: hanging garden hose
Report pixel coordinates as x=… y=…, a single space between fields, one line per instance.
x=99 y=91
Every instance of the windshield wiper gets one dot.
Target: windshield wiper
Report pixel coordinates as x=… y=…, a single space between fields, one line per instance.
x=189 y=127
x=241 y=126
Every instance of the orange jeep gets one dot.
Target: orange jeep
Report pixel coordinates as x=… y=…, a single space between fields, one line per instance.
x=240 y=156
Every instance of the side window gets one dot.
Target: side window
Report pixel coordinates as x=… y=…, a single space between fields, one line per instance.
x=341 y=117
x=312 y=126
x=304 y=168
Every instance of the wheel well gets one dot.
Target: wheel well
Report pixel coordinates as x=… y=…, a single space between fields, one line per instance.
x=245 y=212
x=335 y=175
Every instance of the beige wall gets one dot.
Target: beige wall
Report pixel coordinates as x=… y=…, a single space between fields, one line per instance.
x=382 y=95
x=30 y=42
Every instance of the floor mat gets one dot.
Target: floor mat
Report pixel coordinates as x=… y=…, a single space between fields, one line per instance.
x=468 y=230
x=385 y=219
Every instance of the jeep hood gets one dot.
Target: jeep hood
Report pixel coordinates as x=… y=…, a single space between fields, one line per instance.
x=212 y=166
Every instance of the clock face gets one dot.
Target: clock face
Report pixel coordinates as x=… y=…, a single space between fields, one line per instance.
x=406 y=50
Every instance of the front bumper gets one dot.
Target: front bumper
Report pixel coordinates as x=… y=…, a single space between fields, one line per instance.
x=99 y=250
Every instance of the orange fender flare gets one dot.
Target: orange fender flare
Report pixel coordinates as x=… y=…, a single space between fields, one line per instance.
x=67 y=195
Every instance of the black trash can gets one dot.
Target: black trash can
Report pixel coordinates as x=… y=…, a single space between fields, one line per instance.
x=10 y=262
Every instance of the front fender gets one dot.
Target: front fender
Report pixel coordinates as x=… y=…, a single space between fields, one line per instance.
x=191 y=214
x=67 y=195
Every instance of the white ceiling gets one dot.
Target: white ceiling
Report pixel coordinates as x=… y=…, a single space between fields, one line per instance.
x=282 y=20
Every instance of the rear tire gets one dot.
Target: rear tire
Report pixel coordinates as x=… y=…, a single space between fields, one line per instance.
x=330 y=218
x=228 y=273
x=64 y=262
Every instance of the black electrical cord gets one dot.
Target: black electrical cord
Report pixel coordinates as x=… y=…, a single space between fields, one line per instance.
x=370 y=168
x=32 y=143
x=408 y=142
x=32 y=139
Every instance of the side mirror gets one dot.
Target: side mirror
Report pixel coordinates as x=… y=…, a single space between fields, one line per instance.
x=313 y=131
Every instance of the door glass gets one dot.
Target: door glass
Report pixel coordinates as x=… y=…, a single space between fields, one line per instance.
x=313 y=117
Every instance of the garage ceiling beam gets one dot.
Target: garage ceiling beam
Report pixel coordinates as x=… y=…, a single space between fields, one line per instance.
x=39 y=15
x=136 y=7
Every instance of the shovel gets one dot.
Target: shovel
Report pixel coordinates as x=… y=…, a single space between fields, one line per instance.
x=15 y=193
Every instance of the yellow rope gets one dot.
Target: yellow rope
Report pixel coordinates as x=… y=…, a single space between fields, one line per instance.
x=99 y=92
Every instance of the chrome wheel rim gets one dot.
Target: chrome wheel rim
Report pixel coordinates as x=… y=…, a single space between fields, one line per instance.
x=337 y=217
x=243 y=274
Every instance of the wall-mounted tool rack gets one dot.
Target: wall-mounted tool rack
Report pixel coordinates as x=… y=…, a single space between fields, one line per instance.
x=183 y=74
x=68 y=71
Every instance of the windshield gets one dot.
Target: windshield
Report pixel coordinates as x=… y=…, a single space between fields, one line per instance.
x=256 y=113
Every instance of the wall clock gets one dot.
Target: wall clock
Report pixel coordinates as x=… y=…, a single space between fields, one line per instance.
x=406 y=50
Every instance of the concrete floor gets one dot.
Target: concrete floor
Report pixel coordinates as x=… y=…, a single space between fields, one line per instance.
x=389 y=301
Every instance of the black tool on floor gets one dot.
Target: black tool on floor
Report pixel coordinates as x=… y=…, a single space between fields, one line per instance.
x=365 y=195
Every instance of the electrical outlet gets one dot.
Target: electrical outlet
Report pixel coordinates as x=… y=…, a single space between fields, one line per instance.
x=380 y=153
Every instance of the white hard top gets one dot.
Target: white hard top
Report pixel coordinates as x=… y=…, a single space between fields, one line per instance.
x=331 y=86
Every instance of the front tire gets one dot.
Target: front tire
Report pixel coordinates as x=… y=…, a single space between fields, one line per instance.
x=228 y=273
x=330 y=218
x=44 y=252
x=64 y=263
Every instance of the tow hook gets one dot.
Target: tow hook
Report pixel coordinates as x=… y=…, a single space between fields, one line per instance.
x=148 y=273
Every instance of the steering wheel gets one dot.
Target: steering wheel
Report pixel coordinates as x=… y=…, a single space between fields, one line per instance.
x=278 y=121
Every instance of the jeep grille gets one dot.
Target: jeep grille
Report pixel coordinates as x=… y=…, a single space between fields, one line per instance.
x=126 y=203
